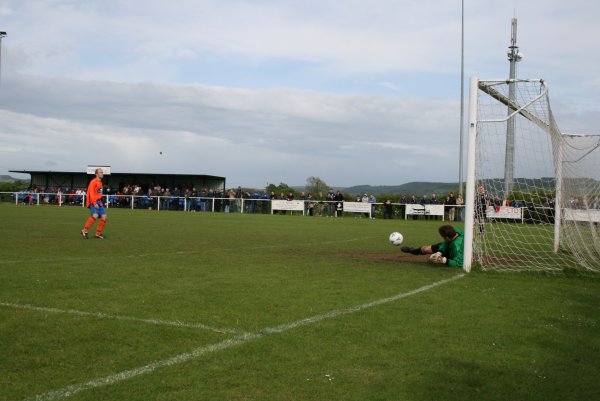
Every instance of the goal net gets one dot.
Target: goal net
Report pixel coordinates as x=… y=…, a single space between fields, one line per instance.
x=533 y=193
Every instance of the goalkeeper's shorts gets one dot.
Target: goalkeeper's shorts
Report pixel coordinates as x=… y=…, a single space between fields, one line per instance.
x=435 y=248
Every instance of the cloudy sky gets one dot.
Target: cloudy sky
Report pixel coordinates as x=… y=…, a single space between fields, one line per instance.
x=269 y=91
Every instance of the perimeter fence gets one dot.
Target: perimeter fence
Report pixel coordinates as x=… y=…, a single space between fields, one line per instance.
x=306 y=207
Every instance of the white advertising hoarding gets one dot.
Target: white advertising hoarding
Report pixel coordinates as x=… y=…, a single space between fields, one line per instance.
x=293 y=205
x=504 y=212
x=91 y=170
x=357 y=207
x=429 y=210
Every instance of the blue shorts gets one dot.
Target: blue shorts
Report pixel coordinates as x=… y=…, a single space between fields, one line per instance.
x=99 y=210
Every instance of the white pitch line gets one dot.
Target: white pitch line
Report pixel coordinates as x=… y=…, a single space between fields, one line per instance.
x=102 y=315
x=128 y=374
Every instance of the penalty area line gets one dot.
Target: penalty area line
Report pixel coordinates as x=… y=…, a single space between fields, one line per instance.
x=101 y=315
x=128 y=374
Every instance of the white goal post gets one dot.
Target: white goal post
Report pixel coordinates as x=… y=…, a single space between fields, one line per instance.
x=552 y=177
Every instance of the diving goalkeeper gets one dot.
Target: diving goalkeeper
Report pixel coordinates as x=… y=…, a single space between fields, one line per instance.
x=450 y=252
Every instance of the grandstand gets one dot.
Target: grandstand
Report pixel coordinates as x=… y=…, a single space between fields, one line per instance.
x=116 y=181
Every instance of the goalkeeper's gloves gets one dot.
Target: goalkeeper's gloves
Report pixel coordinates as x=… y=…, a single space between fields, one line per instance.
x=437 y=258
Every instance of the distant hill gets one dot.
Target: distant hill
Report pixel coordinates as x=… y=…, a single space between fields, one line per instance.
x=443 y=188
x=8 y=178
x=416 y=188
x=525 y=185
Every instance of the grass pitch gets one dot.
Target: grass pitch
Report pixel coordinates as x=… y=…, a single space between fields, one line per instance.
x=202 y=306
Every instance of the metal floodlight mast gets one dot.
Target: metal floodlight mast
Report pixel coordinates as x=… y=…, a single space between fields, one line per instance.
x=514 y=56
x=2 y=34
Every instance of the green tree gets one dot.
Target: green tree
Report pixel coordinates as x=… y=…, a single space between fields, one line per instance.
x=13 y=186
x=314 y=185
x=282 y=187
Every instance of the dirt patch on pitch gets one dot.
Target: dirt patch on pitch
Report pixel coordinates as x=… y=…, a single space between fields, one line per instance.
x=400 y=257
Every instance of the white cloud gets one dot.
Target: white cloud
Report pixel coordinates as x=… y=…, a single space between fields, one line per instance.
x=217 y=131
x=274 y=90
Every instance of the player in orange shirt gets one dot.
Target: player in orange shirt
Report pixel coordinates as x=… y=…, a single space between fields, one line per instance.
x=93 y=200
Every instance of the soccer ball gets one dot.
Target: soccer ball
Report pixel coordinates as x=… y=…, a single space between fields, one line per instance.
x=396 y=238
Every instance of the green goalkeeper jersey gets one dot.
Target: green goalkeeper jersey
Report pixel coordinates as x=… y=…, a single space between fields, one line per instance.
x=454 y=250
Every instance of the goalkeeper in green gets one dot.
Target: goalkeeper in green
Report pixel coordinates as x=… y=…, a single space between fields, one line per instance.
x=450 y=252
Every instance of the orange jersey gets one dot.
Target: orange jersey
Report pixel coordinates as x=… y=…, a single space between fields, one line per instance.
x=94 y=192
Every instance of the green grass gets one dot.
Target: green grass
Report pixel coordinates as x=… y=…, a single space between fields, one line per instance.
x=492 y=336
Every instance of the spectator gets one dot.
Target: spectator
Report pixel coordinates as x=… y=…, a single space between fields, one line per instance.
x=413 y=201
x=481 y=204
x=264 y=202
x=213 y=203
x=497 y=203
x=239 y=195
x=388 y=209
x=460 y=210
x=273 y=196
x=339 y=204
x=175 y=201
x=330 y=203
x=194 y=199
x=165 y=195
x=252 y=203
x=187 y=204
x=425 y=201
x=320 y=198
x=372 y=201
x=363 y=199
x=230 y=202
x=449 y=206
x=310 y=204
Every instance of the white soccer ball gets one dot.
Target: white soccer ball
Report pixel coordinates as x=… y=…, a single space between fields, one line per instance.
x=396 y=238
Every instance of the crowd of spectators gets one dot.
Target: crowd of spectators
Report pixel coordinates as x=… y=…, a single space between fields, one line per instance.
x=329 y=204
x=51 y=195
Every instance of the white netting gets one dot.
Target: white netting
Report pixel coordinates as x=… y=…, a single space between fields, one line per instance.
x=524 y=167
